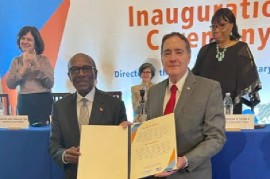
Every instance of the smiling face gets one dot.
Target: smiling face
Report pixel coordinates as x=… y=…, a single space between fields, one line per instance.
x=27 y=42
x=82 y=73
x=175 y=58
x=146 y=75
x=221 y=31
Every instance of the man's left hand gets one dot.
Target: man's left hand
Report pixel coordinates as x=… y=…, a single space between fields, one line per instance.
x=181 y=162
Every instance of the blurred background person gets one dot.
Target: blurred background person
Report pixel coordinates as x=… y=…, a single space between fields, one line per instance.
x=34 y=75
x=139 y=92
x=229 y=61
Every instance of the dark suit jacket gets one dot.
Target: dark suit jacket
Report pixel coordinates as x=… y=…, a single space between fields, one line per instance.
x=200 y=122
x=65 y=133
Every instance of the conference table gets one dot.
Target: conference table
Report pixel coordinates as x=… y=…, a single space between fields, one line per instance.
x=246 y=155
x=24 y=154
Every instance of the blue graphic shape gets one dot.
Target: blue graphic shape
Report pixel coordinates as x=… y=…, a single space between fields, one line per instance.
x=248 y=111
x=170 y=166
x=135 y=127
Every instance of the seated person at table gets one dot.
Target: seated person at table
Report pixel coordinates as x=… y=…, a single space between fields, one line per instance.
x=88 y=106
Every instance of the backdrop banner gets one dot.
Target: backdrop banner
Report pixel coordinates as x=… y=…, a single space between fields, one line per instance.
x=121 y=35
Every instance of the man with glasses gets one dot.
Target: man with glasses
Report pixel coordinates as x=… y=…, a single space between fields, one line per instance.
x=88 y=105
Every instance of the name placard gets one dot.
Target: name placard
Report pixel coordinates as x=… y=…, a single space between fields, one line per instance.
x=239 y=121
x=14 y=122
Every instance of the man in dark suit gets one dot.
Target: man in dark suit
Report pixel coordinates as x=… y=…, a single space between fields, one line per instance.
x=102 y=109
x=198 y=111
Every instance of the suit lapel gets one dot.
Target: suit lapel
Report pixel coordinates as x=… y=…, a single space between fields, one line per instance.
x=72 y=117
x=160 y=97
x=187 y=91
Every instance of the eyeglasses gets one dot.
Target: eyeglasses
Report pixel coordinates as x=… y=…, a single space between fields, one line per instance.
x=74 y=71
x=220 y=26
x=146 y=72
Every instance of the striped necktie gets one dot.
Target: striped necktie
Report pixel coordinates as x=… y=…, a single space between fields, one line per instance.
x=84 y=113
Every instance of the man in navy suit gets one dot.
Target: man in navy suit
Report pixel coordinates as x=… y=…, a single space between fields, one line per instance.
x=103 y=109
x=198 y=110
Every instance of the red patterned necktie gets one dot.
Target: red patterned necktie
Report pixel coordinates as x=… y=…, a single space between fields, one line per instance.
x=170 y=105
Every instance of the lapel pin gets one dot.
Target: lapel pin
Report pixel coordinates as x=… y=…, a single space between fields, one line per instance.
x=188 y=88
x=101 y=109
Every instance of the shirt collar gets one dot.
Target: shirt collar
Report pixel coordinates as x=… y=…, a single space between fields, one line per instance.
x=89 y=96
x=179 y=83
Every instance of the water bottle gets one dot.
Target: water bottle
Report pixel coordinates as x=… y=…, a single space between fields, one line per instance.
x=228 y=104
x=1 y=109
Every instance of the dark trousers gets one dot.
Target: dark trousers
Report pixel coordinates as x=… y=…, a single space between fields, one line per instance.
x=37 y=106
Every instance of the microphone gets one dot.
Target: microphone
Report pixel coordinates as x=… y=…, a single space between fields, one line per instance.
x=142 y=93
